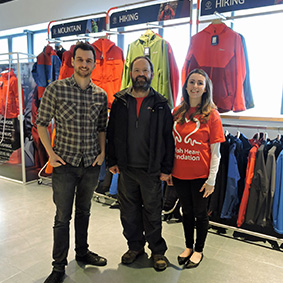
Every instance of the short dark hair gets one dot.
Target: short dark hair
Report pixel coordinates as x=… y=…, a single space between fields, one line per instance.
x=142 y=57
x=86 y=47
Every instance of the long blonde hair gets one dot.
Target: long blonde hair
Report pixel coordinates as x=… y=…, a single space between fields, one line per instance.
x=203 y=109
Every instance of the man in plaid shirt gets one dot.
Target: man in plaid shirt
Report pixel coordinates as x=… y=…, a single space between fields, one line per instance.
x=79 y=110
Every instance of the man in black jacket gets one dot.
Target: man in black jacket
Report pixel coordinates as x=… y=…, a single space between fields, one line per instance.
x=141 y=150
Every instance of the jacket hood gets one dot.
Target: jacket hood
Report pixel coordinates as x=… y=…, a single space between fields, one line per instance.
x=72 y=48
x=5 y=75
x=48 y=50
x=147 y=37
x=103 y=44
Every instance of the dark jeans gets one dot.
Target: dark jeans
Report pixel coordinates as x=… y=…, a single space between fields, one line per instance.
x=140 y=198
x=68 y=181
x=194 y=208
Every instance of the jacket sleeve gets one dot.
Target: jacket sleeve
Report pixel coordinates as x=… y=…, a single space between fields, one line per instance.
x=126 y=70
x=174 y=74
x=167 y=162
x=165 y=84
x=111 y=156
x=239 y=99
x=56 y=66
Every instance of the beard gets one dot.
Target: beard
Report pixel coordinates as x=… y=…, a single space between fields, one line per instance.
x=141 y=85
x=82 y=74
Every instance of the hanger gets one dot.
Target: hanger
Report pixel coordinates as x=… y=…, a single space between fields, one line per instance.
x=226 y=133
x=106 y=36
x=265 y=136
x=238 y=134
x=217 y=21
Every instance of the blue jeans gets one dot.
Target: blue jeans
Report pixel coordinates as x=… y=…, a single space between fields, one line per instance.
x=67 y=182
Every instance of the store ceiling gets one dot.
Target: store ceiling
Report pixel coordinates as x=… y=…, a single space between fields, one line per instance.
x=5 y=1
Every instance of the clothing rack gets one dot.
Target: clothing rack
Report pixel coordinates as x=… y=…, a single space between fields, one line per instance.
x=254 y=127
x=245 y=231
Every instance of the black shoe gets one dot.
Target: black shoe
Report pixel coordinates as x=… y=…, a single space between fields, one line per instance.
x=160 y=262
x=55 y=277
x=191 y=264
x=183 y=259
x=92 y=258
x=130 y=256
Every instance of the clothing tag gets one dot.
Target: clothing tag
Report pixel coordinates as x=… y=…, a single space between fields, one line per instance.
x=146 y=51
x=214 y=40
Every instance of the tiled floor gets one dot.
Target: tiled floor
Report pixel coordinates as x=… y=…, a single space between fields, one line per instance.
x=26 y=219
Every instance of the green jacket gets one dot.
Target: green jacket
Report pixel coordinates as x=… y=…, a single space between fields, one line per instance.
x=159 y=58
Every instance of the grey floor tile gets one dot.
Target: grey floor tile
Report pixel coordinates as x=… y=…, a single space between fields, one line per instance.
x=26 y=220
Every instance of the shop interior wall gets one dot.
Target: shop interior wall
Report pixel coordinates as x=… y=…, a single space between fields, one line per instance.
x=21 y=13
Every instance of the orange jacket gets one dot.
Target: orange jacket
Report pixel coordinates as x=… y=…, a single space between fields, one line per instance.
x=249 y=178
x=10 y=85
x=109 y=67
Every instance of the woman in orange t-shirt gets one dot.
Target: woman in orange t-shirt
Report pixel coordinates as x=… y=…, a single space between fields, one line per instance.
x=198 y=133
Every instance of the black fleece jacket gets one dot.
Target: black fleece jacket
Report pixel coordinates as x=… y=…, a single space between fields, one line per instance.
x=161 y=142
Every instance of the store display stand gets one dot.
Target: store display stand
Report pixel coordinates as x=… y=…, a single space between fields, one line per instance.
x=15 y=59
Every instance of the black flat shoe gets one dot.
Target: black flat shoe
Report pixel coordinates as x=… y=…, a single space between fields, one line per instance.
x=183 y=259
x=191 y=264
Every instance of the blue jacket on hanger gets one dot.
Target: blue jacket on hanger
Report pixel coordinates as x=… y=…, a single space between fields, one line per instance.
x=278 y=197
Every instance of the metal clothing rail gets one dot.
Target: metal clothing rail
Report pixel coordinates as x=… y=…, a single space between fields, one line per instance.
x=240 y=230
x=253 y=127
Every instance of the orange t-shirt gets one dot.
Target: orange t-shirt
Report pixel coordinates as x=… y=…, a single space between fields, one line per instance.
x=192 y=145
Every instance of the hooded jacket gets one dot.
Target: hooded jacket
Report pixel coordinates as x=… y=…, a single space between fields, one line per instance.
x=223 y=61
x=161 y=142
x=158 y=54
x=46 y=69
x=9 y=83
x=109 y=67
x=67 y=69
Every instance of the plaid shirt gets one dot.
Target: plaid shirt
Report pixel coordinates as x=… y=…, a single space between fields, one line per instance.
x=79 y=116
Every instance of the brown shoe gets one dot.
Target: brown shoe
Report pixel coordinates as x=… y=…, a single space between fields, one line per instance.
x=160 y=262
x=130 y=256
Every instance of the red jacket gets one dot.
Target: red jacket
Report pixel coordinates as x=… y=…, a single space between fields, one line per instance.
x=13 y=96
x=249 y=177
x=109 y=67
x=223 y=62
x=46 y=69
x=67 y=69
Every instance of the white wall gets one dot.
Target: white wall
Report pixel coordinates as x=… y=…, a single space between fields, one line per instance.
x=20 y=13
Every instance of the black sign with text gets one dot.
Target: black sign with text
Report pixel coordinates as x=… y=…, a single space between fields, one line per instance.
x=153 y=13
x=80 y=27
x=208 y=7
